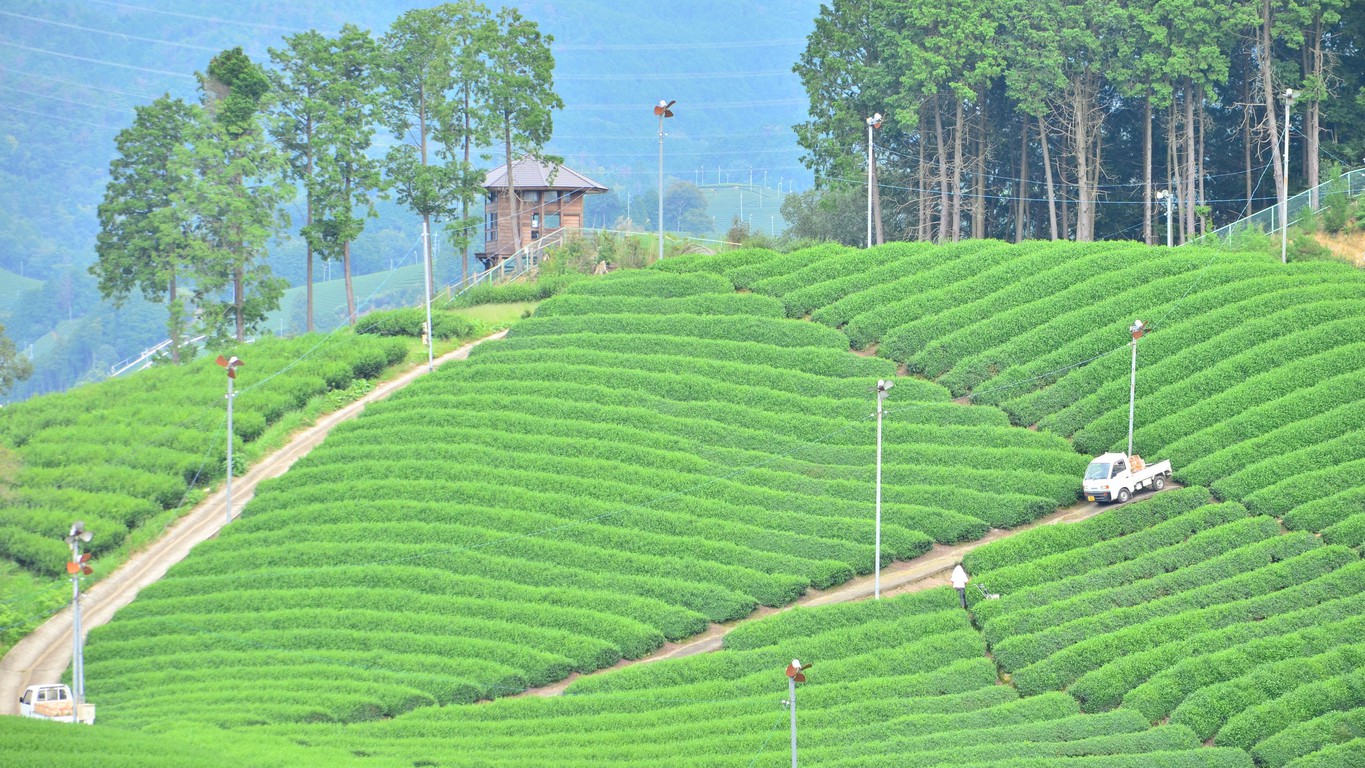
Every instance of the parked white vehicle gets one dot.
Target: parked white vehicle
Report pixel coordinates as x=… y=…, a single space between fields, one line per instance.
x=53 y=701
x=1114 y=477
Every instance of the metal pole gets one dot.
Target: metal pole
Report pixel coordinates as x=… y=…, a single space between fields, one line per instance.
x=77 y=678
x=877 y=550
x=228 y=506
x=1170 y=234
x=661 y=187
x=426 y=296
x=791 y=692
x=869 y=183
x=1284 y=191
x=1132 y=393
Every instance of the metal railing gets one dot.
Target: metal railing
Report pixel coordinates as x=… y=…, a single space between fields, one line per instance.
x=146 y=357
x=1267 y=220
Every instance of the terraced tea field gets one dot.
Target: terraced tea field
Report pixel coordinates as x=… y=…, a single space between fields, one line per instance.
x=658 y=451
x=650 y=454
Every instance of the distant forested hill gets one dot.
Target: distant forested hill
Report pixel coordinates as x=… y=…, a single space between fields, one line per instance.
x=71 y=74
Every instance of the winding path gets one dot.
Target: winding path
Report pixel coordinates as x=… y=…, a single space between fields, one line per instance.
x=924 y=572
x=45 y=653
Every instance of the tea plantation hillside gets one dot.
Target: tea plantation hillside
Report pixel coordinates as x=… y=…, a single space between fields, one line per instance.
x=649 y=454
x=1249 y=379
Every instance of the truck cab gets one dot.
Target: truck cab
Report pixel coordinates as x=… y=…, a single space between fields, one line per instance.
x=53 y=701
x=1115 y=476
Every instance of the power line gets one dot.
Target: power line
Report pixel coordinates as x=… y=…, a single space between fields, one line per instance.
x=148 y=70
x=214 y=19
x=81 y=85
x=13 y=108
x=124 y=110
x=107 y=32
x=768 y=43
x=677 y=76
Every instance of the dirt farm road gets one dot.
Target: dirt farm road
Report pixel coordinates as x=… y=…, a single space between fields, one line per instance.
x=44 y=654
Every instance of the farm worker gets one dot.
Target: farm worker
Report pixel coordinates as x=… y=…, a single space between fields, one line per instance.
x=959 y=580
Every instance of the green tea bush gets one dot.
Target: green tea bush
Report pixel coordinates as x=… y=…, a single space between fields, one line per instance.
x=805 y=262
x=408 y=321
x=1165 y=559
x=1068 y=665
x=1104 y=687
x=700 y=304
x=654 y=284
x=1213 y=585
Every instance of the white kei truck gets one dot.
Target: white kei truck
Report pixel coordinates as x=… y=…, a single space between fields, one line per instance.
x=1114 y=477
x=53 y=701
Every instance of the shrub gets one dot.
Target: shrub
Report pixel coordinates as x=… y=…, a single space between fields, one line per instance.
x=408 y=321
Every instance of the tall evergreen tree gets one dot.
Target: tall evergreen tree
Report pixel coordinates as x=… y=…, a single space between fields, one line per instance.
x=299 y=83
x=144 y=239
x=235 y=196
x=521 y=95
x=347 y=178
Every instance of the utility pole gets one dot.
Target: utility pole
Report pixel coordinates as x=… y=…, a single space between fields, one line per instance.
x=795 y=674
x=1284 y=191
x=426 y=296
x=1137 y=330
x=883 y=388
x=231 y=365
x=872 y=122
x=1165 y=196
x=662 y=110
x=78 y=566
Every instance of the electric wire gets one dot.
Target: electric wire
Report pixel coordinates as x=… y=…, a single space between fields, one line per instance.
x=103 y=62
x=111 y=33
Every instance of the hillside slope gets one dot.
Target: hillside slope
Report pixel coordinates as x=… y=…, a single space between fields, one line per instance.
x=649 y=454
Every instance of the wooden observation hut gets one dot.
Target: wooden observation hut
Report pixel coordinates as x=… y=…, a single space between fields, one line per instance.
x=549 y=199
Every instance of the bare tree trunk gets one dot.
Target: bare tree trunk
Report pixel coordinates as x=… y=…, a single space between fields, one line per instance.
x=1081 y=127
x=1199 y=160
x=943 y=209
x=979 y=211
x=177 y=318
x=426 y=241
x=1246 y=140
x=1051 y=188
x=350 y=288
x=1191 y=162
x=957 y=169
x=1021 y=209
x=238 y=300
x=464 y=205
x=308 y=215
x=1269 y=93
x=513 y=219
x=922 y=178
x=1147 y=169
x=1312 y=127
x=1066 y=198
x=1173 y=181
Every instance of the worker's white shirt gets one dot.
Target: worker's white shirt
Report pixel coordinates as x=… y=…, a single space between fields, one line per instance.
x=959 y=578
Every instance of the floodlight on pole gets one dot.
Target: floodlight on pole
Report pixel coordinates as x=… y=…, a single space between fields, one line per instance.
x=796 y=673
x=231 y=364
x=1136 y=330
x=663 y=109
x=872 y=122
x=883 y=388
x=1284 y=190
x=77 y=567
x=1167 y=198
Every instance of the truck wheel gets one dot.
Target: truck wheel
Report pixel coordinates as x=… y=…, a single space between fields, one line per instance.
x=1159 y=482
x=1124 y=495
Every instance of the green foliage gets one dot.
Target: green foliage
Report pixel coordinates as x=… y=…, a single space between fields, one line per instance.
x=408 y=321
x=117 y=453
